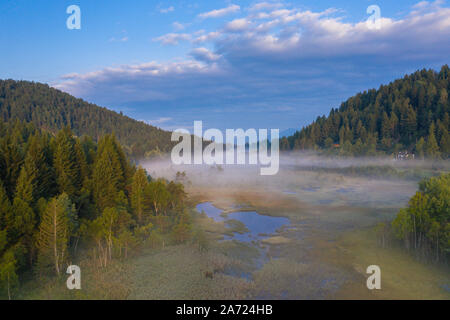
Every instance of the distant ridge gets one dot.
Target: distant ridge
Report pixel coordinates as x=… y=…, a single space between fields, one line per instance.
x=51 y=109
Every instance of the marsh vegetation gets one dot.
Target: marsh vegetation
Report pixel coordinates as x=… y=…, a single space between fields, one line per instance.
x=332 y=208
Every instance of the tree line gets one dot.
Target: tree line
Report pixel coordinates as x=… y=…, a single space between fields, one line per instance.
x=408 y=114
x=52 y=110
x=423 y=227
x=59 y=193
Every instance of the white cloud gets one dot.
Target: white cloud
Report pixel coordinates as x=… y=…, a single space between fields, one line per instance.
x=265 y=6
x=237 y=25
x=167 y=10
x=207 y=37
x=179 y=26
x=123 y=39
x=426 y=4
x=288 y=58
x=173 y=38
x=301 y=34
x=203 y=54
x=220 y=12
x=122 y=78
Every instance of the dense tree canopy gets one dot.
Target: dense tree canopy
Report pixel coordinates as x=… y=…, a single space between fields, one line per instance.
x=58 y=190
x=412 y=113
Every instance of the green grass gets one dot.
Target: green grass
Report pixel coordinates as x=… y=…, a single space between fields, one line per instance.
x=178 y=272
x=403 y=276
x=111 y=283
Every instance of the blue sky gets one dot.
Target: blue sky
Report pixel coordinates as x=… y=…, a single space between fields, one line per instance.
x=249 y=64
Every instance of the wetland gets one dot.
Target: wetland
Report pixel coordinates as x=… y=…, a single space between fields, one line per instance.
x=305 y=233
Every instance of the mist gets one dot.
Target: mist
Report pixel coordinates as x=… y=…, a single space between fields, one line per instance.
x=294 y=162
x=326 y=199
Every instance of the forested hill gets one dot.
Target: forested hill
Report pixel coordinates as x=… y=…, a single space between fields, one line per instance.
x=408 y=114
x=52 y=110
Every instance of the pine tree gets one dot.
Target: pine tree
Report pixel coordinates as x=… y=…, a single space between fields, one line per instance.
x=37 y=167
x=432 y=148
x=80 y=157
x=21 y=224
x=138 y=185
x=409 y=124
x=385 y=126
x=445 y=144
x=25 y=185
x=24 y=219
x=420 y=147
x=68 y=175
x=284 y=144
x=5 y=208
x=118 y=160
x=106 y=177
x=443 y=97
x=341 y=136
x=13 y=163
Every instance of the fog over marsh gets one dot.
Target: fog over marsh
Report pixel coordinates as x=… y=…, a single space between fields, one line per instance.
x=332 y=205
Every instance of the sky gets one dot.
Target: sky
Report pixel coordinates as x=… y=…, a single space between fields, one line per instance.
x=231 y=64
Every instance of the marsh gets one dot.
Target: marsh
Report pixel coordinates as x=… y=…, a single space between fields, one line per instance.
x=308 y=232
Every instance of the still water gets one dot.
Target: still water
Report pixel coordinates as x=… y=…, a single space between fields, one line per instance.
x=259 y=226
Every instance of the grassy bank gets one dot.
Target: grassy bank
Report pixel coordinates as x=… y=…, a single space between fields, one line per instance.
x=403 y=277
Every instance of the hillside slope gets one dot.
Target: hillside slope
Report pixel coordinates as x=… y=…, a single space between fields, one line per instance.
x=408 y=114
x=51 y=109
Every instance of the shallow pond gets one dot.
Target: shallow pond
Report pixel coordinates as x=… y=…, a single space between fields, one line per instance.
x=259 y=226
x=211 y=211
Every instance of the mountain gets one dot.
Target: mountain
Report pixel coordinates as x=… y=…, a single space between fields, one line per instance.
x=409 y=114
x=287 y=132
x=51 y=109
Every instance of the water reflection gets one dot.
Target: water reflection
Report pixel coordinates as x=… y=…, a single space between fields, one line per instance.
x=259 y=226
